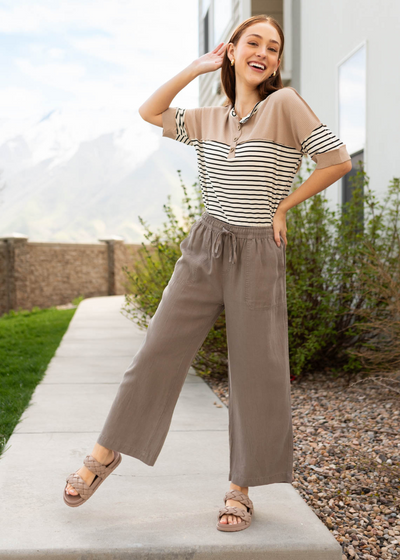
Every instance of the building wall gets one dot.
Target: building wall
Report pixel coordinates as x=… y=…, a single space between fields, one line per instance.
x=47 y=274
x=210 y=92
x=330 y=31
x=319 y=36
x=272 y=8
x=293 y=34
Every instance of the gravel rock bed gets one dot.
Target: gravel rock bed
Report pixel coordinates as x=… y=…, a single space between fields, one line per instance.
x=347 y=458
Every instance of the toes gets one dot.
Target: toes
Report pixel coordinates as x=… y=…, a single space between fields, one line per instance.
x=71 y=490
x=230 y=519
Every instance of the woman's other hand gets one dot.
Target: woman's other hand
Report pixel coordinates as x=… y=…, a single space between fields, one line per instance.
x=279 y=226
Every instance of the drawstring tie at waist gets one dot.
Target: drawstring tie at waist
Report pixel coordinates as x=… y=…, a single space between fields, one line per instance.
x=217 y=246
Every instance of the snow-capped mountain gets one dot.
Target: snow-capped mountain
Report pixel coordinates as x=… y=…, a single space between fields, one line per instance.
x=78 y=178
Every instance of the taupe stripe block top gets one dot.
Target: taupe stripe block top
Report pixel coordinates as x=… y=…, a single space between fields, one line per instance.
x=246 y=167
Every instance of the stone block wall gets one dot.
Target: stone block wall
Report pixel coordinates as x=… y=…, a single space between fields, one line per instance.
x=47 y=274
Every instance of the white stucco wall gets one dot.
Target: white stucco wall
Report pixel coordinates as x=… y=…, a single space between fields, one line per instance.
x=329 y=32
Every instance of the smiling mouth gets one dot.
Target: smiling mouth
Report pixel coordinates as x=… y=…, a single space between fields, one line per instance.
x=256 y=68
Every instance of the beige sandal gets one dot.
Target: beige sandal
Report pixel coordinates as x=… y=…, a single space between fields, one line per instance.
x=233 y=510
x=84 y=491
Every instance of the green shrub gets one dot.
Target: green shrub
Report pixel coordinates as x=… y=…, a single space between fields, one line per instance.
x=151 y=272
x=325 y=254
x=335 y=315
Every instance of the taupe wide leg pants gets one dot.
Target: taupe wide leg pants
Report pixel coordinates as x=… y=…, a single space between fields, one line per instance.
x=241 y=269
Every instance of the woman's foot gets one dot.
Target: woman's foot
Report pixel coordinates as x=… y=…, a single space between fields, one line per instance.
x=102 y=455
x=234 y=518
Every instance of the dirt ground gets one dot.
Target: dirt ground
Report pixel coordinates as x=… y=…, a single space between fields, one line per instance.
x=347 y=458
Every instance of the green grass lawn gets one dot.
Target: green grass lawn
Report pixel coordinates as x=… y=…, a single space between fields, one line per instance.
x=28 y=341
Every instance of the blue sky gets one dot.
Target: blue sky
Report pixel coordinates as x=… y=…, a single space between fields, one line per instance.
x=91 y=56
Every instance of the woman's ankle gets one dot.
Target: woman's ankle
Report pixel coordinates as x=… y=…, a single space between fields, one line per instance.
x=101 y=453
x=244 y=489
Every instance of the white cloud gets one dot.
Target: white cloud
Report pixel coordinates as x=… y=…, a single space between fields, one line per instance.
x=19 y=16
x=62 y=75
x=19 y=102
x=76 y=70
x=98 y=60
x=57 y=54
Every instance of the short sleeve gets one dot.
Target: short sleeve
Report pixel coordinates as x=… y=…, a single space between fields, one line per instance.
x=182 y=125
x=311 y=136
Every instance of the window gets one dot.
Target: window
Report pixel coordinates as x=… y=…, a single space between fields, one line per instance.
x=206 y=28
x=352 y=113
x=348 y=186
x=222 y=17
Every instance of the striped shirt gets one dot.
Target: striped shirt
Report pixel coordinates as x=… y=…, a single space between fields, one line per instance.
x=247 y=166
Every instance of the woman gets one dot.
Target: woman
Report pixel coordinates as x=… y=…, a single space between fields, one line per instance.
x=234 y=258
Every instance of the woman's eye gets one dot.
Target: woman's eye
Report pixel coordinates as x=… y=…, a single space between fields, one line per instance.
x=274 y=50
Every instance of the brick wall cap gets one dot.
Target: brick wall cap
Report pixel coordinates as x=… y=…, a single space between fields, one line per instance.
x=112 y=238
x=14 y=235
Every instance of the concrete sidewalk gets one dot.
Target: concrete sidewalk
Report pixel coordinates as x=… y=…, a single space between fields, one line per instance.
x=166 y=511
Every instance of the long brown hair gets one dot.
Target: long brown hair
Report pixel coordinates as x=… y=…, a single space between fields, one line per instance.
x=228 y=78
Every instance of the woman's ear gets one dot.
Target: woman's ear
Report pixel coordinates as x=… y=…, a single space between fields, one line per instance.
x=230 y=51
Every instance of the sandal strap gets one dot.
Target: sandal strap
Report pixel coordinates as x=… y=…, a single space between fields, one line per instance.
x=233 y=510
x=95 y=467
x=239 y=496
x=80 y=485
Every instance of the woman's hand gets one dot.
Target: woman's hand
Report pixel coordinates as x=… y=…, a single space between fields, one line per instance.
x=210 y=61
x=279 y=226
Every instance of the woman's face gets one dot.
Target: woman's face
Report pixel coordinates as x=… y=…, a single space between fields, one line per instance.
x=259 y=43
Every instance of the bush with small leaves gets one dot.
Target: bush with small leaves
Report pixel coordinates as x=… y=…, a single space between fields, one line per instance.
x=343 y=285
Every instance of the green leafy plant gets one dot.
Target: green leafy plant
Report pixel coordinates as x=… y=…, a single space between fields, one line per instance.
x=329 y=257
x=342 y=280
x=152 y=270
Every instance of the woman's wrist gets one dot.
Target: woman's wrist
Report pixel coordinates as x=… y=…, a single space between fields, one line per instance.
x=194 y=69
x=280 y=209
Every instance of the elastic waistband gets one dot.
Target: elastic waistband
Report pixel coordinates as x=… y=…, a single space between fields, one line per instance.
x=247 y=232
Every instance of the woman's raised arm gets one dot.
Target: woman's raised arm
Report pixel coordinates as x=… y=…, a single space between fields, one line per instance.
x=152 y=109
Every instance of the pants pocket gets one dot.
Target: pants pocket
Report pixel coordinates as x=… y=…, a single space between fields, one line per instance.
x=183 y=267
x=265 y=278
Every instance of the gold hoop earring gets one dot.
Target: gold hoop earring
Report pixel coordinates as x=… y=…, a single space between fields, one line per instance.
x=274 y=73
x=232 y=61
